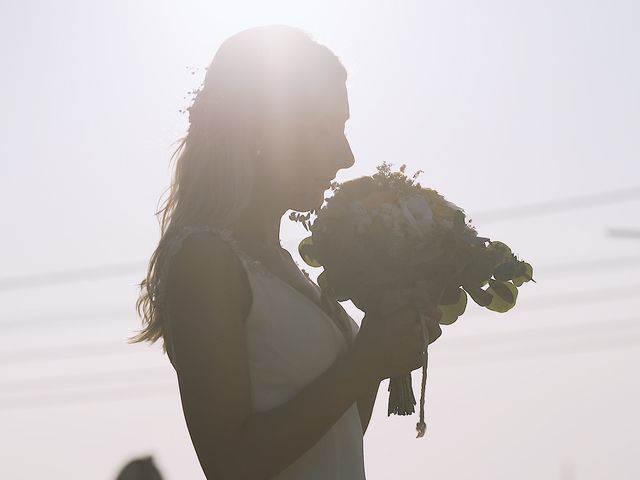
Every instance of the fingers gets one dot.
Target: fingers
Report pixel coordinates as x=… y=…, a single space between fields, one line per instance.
x=392 y=300
x=423 y=329
x=432 y=325
x=434 y=312
x=420 y=360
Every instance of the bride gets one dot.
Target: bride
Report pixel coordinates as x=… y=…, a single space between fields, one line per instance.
x=276 y=382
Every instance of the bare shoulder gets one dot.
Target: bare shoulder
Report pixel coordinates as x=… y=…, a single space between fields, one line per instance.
x=208 y=292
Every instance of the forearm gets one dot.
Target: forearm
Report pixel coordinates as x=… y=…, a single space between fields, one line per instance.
x=273 y=439
x=366 y=401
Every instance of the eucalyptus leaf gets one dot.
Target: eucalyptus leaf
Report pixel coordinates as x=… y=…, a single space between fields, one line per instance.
x=459 y=223
x=451 y=295
x=450 y=313
x=526 y=276
x=502 y=290
x=500 y=249
x=480 y=296
x=323 y=283
x=505 y=271
x=499 y=303
x=306 y=251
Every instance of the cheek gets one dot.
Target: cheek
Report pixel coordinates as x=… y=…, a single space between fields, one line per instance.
x=303 y=161
x=292 y=166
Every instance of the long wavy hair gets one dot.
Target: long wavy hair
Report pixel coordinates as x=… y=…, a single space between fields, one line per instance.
x=255 y=73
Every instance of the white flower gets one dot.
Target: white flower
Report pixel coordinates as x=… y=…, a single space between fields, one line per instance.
x=448 y=224
x=410 y=219
x=361 y=217
x=389 y=215
x=454 y=206
x=421 y=211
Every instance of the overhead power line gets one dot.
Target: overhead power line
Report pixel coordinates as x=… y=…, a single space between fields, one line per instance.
x=128 y=392
x=592 y=265
x=69 y=276
x=133 y=392
x=581 y=297
x=540 y=302
x=75 y=317
x=21 y=385
x=98 y=349
x=591 y=200
x=117 y=315
x=621 y=233
x=64 y=352
x=523 y=338
x=571 y=331
x=538 y=351
x=578 y=202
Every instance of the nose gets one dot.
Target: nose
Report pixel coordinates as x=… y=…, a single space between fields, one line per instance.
x=345 y=158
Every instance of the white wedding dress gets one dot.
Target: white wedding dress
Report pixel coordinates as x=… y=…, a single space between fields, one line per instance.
x=291 y=341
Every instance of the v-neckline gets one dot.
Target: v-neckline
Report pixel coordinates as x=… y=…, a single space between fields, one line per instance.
x=271 y=273
x=318 y=304
x=334 y=320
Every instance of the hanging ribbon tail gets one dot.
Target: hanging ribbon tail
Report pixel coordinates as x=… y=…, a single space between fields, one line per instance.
x=421 y=428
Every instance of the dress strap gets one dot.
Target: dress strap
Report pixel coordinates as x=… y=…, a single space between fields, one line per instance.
x=174 y=245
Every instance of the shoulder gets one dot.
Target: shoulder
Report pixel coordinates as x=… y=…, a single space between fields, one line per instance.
x=199 y=249
x=206 y=296
x=200 y=240
x=204 y=269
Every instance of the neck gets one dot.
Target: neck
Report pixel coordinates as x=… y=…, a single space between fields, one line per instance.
x=260 y=228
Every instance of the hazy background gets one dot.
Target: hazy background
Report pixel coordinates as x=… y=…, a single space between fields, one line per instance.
x=503 y=104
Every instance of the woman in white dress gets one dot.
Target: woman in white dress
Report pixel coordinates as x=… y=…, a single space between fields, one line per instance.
x=276 y=381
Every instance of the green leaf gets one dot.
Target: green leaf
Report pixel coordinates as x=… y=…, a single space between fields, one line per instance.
x=504 y=296
x=450 y=295
x=450 y=313
x=502 y=290
x=459 y=221
x=526 y=276
x=480 y=296
x=323 y=283
x=501 y=250
x=505 y=272
x=306 y=251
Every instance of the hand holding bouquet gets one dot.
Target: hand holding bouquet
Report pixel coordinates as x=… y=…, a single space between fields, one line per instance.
x=386 y=233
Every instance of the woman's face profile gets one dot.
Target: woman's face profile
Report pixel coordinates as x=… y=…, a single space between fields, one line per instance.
x=303 y=149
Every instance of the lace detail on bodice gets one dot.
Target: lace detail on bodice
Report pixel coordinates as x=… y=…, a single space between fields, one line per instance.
x=227 y=235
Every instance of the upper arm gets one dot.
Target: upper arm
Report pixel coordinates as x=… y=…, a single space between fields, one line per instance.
x=209 y=297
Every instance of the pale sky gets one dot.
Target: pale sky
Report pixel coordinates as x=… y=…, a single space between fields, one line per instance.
x=503 y=104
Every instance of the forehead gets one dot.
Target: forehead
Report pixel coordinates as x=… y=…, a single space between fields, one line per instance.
x=324 y=99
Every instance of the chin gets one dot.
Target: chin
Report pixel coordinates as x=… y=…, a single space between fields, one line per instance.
x=309 y=203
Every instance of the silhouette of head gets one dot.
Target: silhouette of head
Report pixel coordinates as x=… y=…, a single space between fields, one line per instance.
x=273 y=108
x=140 y=469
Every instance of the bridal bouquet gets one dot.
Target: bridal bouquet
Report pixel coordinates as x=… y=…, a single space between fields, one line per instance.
x=386 y=231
